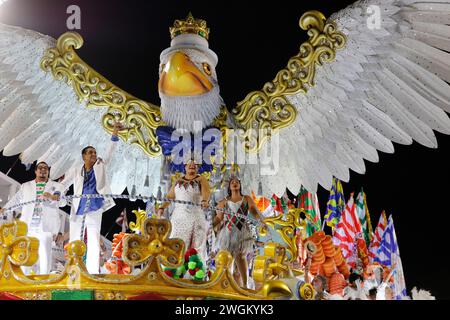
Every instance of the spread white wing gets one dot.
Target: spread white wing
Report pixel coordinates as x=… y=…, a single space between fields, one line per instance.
x=387 y=85
x=42 y=118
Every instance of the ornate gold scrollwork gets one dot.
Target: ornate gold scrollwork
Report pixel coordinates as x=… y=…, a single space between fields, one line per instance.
x=16 y=249
x=154 y=248
x=286 y=225
x=270 y=108
x=272 y=264
x=154 y=241
x=139 y=117
x=141 y=215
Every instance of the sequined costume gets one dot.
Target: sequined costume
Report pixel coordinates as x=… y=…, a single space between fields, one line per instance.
x=235 y=235
x=189 y=222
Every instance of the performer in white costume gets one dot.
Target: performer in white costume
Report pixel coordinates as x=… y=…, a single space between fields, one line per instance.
x=188 y=221
x=235 y=235
x=42 y=218
x=90 y=178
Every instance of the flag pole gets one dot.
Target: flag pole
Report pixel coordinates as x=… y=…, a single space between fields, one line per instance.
x=14 y=164
x=112 y=226
x=110 y=229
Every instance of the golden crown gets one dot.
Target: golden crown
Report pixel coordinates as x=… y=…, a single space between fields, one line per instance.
x=190 y=25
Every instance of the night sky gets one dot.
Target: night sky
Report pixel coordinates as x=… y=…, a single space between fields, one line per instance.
x=123 y=41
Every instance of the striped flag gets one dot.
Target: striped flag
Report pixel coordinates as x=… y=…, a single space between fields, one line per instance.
x=122 y=220
x=278 y=204
x=310 y=204
x=335 y=205
x=388 y=254
x=376 y=239
x=348 y=236
x=342 y=236
x=364 y=217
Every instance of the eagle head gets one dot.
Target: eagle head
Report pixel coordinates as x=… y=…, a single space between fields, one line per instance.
x=188 y=88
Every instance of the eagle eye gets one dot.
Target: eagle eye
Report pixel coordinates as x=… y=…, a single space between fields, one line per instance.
x=207 y=68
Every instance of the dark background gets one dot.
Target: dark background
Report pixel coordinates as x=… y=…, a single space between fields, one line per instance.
x=123 y=40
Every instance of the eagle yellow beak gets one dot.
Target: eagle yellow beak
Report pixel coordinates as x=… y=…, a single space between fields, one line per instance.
x=180 y=77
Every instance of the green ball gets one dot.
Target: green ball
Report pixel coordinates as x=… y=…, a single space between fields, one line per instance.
x=192 y=265
x=199 y=274
x=200 y=264
x=183 y=268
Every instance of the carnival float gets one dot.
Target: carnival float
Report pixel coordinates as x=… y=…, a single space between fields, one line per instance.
x=350 y=91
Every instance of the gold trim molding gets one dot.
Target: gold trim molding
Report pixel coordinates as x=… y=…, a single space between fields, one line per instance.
x=269 y=108
x=140 y=118
x=141 y=215
x=151 y=279
x=285 y=226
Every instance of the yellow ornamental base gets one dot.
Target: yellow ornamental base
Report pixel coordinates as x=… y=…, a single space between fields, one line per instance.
x=154 y=250
x=75 y=277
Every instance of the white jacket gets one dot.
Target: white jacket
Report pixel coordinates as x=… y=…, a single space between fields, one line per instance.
x=51 y=220
x=74 y=177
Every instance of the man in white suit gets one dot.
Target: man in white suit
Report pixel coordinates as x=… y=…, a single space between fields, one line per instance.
x=43 y=218
x=90 y=178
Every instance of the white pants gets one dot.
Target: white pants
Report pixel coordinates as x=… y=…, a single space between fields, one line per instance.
x=44 y=263
x=93 y=225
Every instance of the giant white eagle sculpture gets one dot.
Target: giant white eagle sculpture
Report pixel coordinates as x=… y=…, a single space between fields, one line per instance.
x=351 y=90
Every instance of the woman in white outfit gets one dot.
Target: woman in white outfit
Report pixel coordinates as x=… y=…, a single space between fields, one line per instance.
x=235 y=235
x=189 y=222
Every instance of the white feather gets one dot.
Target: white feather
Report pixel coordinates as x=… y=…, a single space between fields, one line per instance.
x=42 y=117
x=387 y=85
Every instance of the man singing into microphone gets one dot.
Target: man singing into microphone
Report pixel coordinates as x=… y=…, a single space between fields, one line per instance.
x=90 y=178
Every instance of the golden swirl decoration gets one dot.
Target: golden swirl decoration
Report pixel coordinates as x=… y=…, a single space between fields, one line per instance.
x=272 y=264
x=154 y=242
x=270 y=108
x=141 y=215
x=139 y=117
x=16 y=249
x=306 y=291
x=286 y=225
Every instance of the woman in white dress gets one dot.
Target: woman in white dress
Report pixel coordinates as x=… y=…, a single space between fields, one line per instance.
x=189 y=222
x=235 y=235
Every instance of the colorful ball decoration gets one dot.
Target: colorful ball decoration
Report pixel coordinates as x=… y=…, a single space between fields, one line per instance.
x=192 y=265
